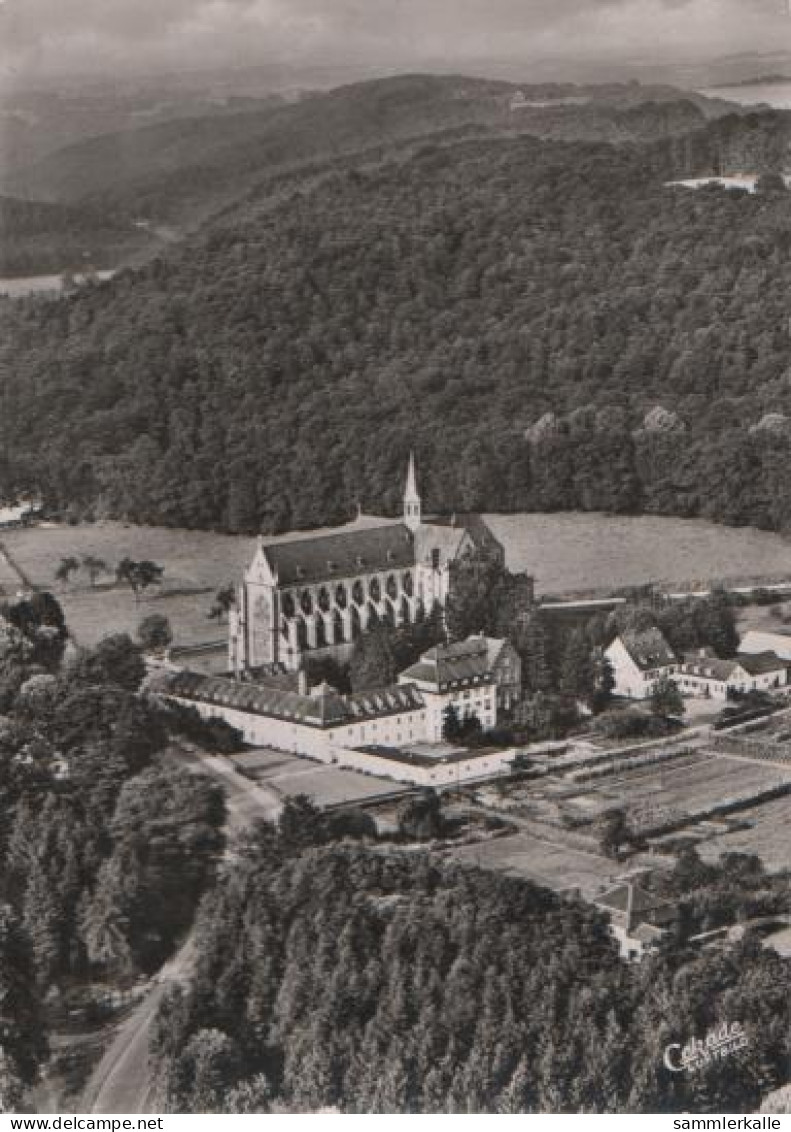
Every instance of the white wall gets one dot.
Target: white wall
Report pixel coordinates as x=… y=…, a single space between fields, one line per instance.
x=630 y=680
x=329 y=746
x=692 y=684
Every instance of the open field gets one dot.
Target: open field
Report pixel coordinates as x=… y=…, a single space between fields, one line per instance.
x=583 y=552
x=197 y=564
x=566 y=552
x=288 y=775
x=553 y=865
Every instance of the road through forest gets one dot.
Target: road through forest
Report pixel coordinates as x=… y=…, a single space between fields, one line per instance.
x=120 y=1082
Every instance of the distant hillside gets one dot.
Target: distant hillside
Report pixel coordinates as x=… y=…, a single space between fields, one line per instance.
x=545 y=322
x=37 y=238
x=176 y=170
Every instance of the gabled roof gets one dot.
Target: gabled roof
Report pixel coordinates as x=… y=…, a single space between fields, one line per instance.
x=323 y=707
x=255 y=699
x=458 y=664
x=648 y=648
x=643 y=903
x=384 y=701
x=328 y=558
x=703 y=662
x=709 y=665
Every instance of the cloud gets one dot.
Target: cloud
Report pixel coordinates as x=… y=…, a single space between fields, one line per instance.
x=48 y=36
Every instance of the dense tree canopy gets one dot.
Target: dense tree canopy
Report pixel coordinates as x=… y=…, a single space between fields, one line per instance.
x=549 y=324
x=396 y=983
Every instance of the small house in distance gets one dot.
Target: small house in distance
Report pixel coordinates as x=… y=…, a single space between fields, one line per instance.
x=702 y=673
x=638 y=660
x=639 y=921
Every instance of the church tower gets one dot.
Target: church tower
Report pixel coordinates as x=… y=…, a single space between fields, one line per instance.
x=412 y=516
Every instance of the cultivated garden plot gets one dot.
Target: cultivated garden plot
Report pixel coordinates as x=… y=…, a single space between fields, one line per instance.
x=702 y=779
x=765 y=830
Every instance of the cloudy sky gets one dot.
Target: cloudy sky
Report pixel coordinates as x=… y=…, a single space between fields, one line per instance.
x=46 y=37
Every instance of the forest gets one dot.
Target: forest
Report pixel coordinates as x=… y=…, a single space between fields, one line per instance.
x=548 y=324
x=335 y=976
x=105 y=849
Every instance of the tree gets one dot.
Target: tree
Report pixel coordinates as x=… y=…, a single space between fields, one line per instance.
x=139 y=576
x=94 y=567
x=479 y=582
x=372 y=663
x=614 y=832
x=451 y=724
x=420 y=817
x=604 y=683
x=66 y=568
x=534 y=650
x=116 y=659
x=577 y=675
x=21 y=1025
x=206 y=1071
x=301 y=823
x=11 y=1087
x=42 y=918
x=224 y=601
x=154 y=632
x=666 y=699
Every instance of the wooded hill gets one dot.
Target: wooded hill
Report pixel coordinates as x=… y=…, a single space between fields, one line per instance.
x=40 y=238
x=548 y=324
x=179 y=171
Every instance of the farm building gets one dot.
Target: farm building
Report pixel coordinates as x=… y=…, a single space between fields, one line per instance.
x=638 y=919
x=702 y=673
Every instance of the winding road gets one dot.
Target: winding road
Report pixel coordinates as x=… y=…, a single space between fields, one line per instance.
x=120 y=1083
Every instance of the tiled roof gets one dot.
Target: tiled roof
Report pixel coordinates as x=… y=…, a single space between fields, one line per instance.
x=329 y=557
x=433 y=536
x=648 y=933
x=324 y=707
x=708 y=665
x=475 y=525
x=256 y=699
x=617 y=899
x=760 y=663
x=462 y=663
x=754 y=664
x=648 y=649
x=384 y=701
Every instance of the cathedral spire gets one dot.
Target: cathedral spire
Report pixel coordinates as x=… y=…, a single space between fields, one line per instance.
x=412 y=507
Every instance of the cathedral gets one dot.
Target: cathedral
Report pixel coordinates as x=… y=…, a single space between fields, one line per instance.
x=318 y=594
